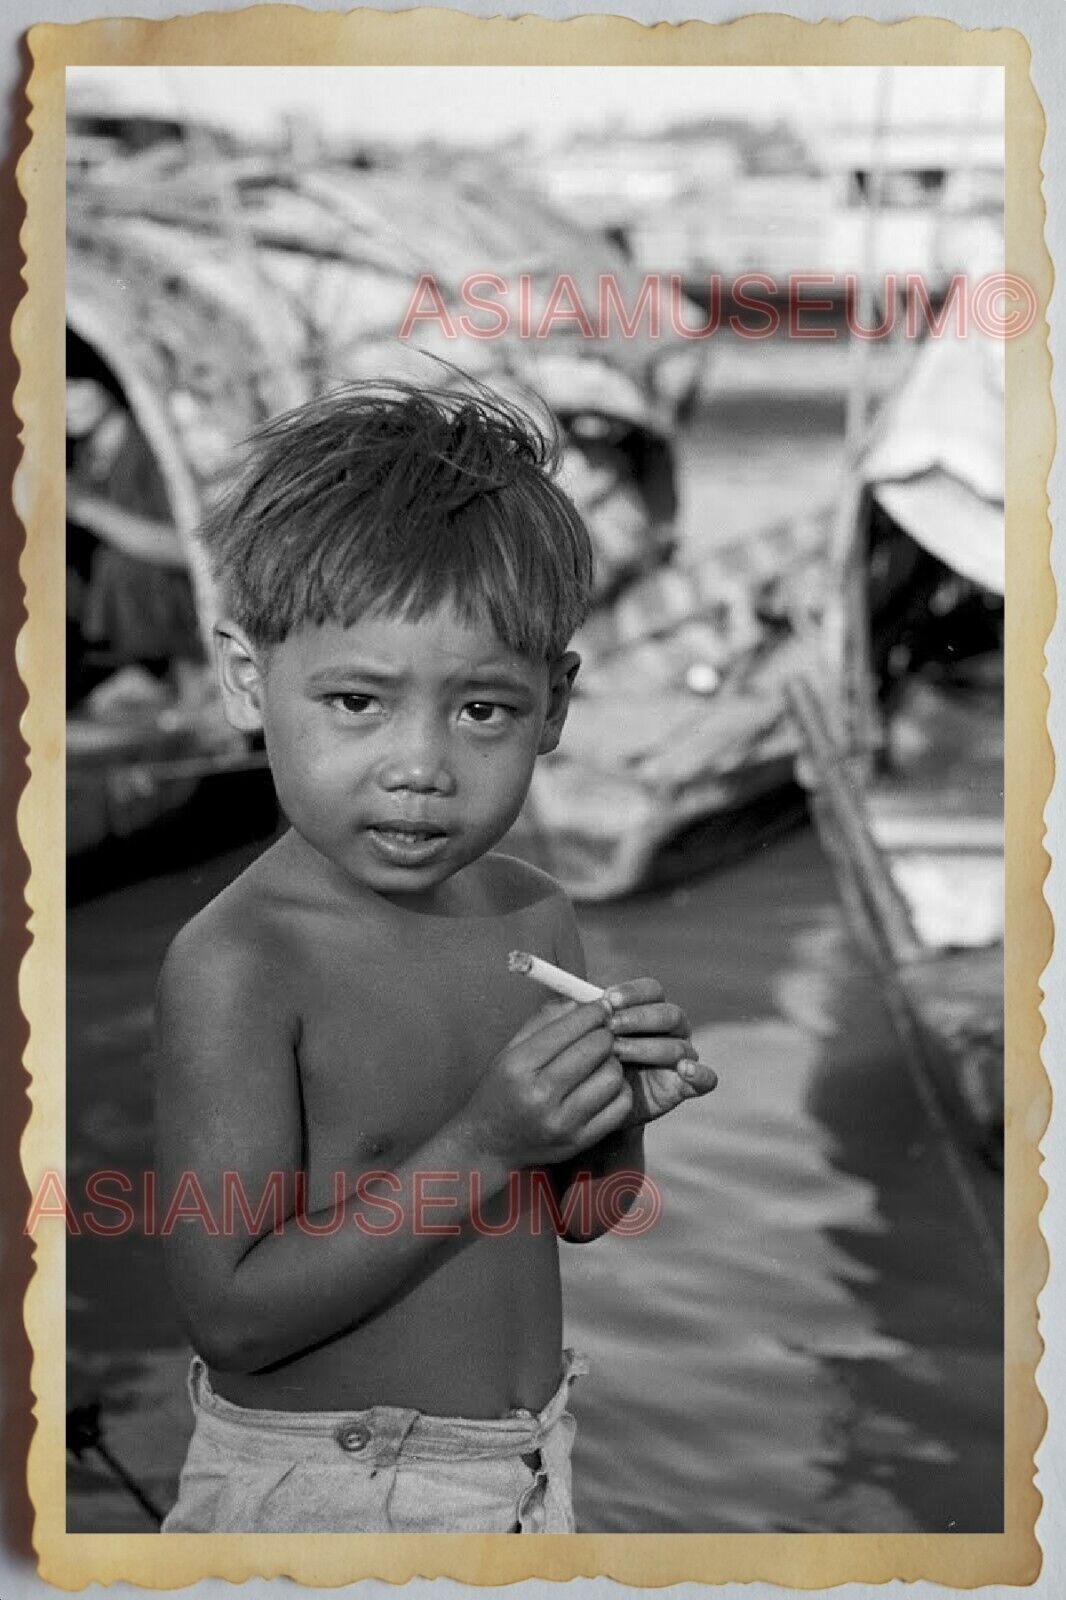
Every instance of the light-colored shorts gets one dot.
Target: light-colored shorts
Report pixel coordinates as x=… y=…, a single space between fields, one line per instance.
x=386 y=1470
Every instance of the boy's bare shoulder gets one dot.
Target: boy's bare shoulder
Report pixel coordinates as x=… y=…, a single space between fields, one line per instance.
x=513 y=884
x=518 y=886
x=239 y=939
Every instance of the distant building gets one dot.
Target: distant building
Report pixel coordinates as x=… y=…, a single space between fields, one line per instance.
x=913 y=158
x=729 y=196
x=616 y=176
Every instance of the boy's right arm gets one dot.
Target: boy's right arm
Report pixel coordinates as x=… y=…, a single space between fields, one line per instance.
x=228 y=1113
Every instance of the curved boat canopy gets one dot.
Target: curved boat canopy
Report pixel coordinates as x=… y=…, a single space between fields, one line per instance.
x=936 y=463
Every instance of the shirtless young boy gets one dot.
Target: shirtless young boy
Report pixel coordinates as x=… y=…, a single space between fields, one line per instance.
x=368 y=1098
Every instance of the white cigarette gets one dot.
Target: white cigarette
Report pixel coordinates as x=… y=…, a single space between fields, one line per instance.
x=556 y=979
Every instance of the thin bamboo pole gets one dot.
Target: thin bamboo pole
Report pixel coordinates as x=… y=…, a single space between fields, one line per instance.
x=887 y=906
x=868 y=888
x=846 y=619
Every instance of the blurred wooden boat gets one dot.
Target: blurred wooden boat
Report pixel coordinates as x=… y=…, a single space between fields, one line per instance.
x=904 y=734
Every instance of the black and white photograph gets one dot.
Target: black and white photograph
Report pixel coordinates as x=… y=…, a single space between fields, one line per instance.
x=535 y=570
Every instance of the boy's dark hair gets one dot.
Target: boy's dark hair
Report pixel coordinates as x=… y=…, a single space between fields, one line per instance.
x=395 y=497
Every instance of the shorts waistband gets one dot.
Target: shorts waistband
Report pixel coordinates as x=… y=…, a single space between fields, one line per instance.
x=379 y=1434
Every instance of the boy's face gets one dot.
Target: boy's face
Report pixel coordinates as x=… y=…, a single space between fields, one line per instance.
x=401 y=751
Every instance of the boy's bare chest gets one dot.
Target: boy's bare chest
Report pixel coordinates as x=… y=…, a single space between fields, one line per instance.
x=395 y=1036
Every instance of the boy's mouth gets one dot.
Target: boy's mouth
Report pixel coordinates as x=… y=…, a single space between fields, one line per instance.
x=407 y=844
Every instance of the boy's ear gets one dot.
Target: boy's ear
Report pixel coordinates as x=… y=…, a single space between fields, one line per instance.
x=561 y=681
x=240 y=677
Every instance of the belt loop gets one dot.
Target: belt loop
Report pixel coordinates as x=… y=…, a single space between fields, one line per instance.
x=194 y=1382
x=576 y=1365
x=409 y=1418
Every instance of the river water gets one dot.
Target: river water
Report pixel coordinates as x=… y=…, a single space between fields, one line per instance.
x=806 y=1340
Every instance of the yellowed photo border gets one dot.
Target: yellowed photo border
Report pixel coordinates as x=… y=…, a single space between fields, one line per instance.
x=283 y=35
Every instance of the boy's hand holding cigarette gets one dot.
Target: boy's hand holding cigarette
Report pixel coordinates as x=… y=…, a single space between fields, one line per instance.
x=583 y=1068
x=651 y=1037
x=652 y=1041
x=555 y=1090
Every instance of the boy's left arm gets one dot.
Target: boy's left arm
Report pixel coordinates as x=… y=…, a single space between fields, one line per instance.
x=596 y=1189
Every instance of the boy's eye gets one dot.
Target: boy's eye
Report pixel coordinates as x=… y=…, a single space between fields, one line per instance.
x=356 y=705
x=485 y=711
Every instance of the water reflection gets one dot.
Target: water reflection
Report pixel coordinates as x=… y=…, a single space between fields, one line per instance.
x=765 y=1359
x=712 y=1408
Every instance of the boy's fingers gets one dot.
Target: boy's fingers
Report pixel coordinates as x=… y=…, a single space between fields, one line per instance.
x=591 y=1094
x=548 y=1012
x=697 y=1077
x=574 y=1065
x=607 y=1121
x=552 y=1036
x=634 y=993
x=661 y=1017
x=660 y=1050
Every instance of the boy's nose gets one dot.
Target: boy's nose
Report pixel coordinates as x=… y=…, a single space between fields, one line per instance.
x=419 y=762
